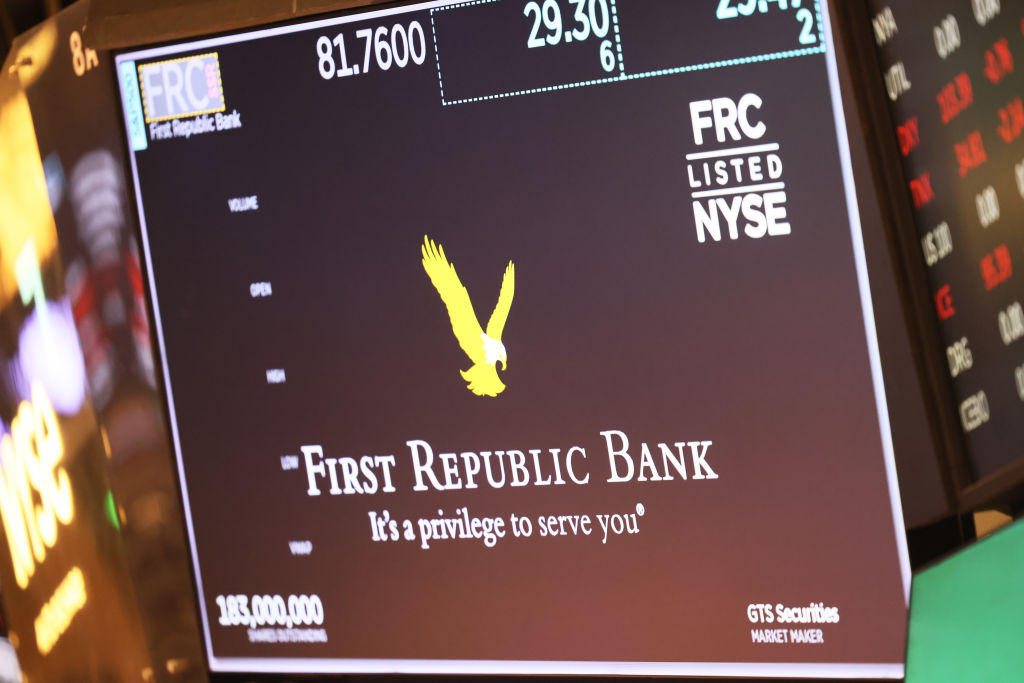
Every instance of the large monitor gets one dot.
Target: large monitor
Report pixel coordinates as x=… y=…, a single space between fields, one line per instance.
x=521 y=337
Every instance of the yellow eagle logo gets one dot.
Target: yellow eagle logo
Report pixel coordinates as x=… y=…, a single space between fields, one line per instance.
x=483 y=348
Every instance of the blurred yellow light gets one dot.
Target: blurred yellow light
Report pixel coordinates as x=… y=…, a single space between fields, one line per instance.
x=34 y=52
x=56 y=615
x=31 y=455
x=24 y=202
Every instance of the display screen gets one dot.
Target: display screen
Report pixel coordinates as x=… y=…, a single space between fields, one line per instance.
x=955 y=98
x=521 y=337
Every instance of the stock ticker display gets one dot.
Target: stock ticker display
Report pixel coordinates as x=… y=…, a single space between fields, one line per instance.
x=952 y=75
x=521 y=337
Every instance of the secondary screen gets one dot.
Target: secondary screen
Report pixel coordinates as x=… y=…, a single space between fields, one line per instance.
x=956 y=107
x=522 y=338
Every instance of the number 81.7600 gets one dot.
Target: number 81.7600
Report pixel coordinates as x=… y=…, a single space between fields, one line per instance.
x=385 y=46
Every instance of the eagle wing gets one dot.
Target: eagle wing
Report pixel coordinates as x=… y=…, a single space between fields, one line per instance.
x=508 y=288
x=455 y=297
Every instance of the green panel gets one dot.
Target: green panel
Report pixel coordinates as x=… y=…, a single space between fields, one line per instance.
x=967 y=614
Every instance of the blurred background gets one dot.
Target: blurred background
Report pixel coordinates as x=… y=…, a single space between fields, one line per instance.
x=18 y=16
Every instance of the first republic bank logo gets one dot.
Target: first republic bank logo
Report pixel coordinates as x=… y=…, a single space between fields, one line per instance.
x=179 y=95
x=483 y=348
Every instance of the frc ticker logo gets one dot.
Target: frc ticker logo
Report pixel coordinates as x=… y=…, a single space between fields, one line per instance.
x=483 y=348
x=175 y=88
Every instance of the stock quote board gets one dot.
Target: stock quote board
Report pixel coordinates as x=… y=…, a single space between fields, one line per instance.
x=952 y=76
x=521 y=337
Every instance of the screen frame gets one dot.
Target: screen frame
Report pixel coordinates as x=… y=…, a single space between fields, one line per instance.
x=270 y=666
